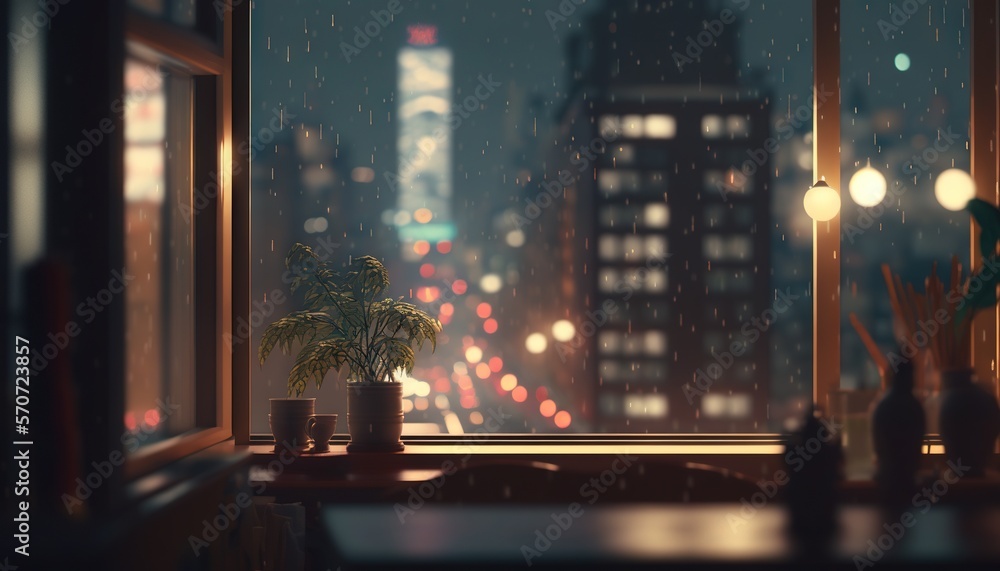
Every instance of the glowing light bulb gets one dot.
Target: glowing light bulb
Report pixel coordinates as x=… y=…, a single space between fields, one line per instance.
x=821 y=202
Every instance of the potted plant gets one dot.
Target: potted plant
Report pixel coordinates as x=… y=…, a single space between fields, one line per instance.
x=348 y=325
x=939 y=321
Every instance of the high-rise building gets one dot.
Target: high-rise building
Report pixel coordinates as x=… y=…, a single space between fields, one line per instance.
x=423 y=182
x=663 y=228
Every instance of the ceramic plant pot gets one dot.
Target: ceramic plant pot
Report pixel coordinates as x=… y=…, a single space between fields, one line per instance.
x=375 y=417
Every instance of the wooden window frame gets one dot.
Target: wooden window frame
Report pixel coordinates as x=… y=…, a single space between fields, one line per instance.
x=209 y=64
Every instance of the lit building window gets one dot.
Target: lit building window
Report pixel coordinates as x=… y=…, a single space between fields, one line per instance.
x=609 y=342
x=618 y=180
x=736 y=406
x=712 y=126
x=607 y=279
x=660 y=126
x=656 y=215
x=609 y=181
x=716 y=247
x=656 y=246
x=622 y=155
x=609 y=126
x=655 y=343
x=632 y=247
x=632 y=126
x=609 y=247
x=737 y=126
x=645 y=406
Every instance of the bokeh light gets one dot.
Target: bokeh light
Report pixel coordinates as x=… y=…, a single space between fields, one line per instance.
x=490 y=326
x=547 y=408
x=541 y=393
x=421 y=247
x=562 y=419
x=491 y=283
x=508 y=382
x=483 y=371
x=867 y=187
x=459 y=287
x=496 y=364
x=426 y=270
x=902 y=62
x=515 y=238
x=563 y=330
x=519 y=394
x=483 y=310
x=423 y=215
x=473 y=354
x=954 y=188
x=428 y=294
x=536 y=343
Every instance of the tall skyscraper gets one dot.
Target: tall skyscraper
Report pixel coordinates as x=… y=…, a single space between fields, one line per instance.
x=662 y=219
x=423 y=183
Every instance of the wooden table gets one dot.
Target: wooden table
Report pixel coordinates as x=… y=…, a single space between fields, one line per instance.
x=637 y=535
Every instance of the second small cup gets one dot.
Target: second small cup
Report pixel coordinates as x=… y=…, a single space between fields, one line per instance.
x=320 y=428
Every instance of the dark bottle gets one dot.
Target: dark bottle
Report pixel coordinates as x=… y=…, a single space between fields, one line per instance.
x=898 y=427
x=815 y=463
x=969 y=420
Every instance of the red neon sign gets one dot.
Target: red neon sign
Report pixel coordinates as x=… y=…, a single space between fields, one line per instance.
x=422 y=35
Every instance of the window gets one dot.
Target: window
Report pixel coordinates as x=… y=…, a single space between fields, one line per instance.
x=158 y=280
x=906 y=114
x=437 y=145
x=176 y=310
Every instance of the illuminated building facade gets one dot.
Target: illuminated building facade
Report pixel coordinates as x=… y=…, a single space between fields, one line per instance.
x=665 y=245
x=423 y=181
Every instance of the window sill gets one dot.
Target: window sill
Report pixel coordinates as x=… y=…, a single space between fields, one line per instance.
x=755 y=456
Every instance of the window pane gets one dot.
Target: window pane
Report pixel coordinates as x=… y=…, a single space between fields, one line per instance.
x=905 y=84
x=603 y=208
x=159 y=297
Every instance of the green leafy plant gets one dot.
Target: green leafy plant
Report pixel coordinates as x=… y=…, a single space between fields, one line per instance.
x=988 y=218
x=346 y=324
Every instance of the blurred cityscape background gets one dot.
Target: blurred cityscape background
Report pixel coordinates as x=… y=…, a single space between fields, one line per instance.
x=602 y=202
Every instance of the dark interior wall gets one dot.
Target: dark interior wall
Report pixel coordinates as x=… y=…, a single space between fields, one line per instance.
x=84 y=214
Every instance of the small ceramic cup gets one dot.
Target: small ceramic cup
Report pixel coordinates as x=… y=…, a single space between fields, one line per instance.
x=320 y=428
